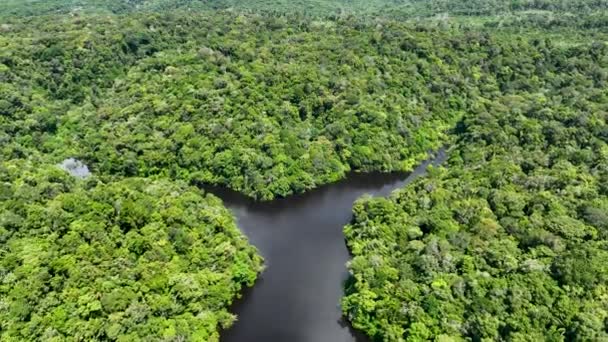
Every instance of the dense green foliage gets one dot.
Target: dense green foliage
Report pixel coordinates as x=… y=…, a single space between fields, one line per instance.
x=256 y=103
x=272 y=112
x=507 y=243
x=268 y=112
x=194 y=97
x=135 y=260
x=510 y=240
x=318 y=8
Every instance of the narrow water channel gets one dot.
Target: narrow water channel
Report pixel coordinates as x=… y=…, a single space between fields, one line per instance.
x=297 y=298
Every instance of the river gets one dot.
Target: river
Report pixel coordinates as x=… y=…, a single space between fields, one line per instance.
x=297 y=297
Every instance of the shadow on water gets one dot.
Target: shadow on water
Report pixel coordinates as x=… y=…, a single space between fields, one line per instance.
x=353 y=180
x=297 y=298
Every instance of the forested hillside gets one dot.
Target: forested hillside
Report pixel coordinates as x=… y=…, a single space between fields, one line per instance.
x=317 y=8
x=509 y=240
x=273 y=98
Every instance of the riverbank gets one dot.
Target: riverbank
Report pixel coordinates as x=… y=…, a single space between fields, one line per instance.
x=300 y=237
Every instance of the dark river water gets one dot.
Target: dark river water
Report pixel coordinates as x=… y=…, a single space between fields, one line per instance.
x=297 y=297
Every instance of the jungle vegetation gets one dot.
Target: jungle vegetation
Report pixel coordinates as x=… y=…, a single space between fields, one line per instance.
x=272 y=98
x=508 y=241
x=315 y=8
x=132 y=260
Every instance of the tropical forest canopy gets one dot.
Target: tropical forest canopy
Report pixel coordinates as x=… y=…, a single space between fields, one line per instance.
x=273 y=98
x=510 y=240
x=133 y=260
x=382 y=8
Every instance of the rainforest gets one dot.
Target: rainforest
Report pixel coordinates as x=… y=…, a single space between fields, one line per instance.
x=310 y=170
